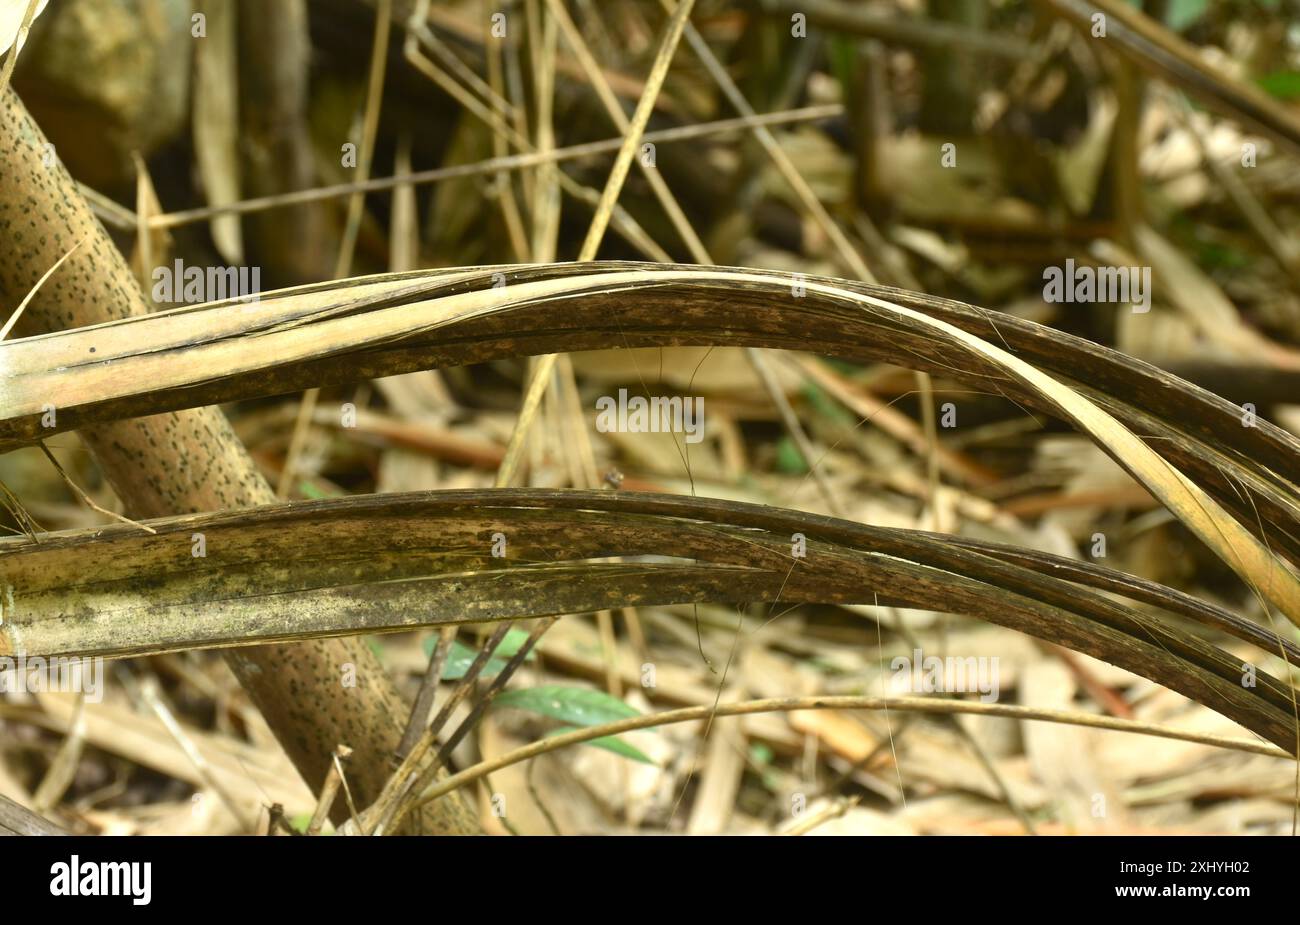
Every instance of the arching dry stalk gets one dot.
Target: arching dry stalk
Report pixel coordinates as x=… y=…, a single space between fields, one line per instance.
x=1239 y=497
x=388 y=562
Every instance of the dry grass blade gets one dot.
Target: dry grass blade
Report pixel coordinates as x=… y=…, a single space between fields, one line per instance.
x=31 y=10
x=18 y=312
x=632 y=132
x=15 y=820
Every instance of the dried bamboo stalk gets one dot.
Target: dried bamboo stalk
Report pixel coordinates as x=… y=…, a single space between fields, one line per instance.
x=185 y=462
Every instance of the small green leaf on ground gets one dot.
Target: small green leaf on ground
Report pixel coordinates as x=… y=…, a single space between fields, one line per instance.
x=462 y=656
x=1182 y=13
x=609 y=743
x=1285 y=85
x=578 y=706
x=789 y=459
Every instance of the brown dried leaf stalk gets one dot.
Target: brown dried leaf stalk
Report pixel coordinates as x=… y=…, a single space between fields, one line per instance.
x=424 y=559
x=1233 y=485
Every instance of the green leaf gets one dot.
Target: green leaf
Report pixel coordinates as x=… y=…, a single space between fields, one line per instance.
x=826 y=406
x=609 y=743
x=1182 y=13
x=579 y=706
x=1220 y=257
x=789 y=459
x=761 y=756
x=462 y=656
x=844 y=367
x=312 y=493
x=300 y=821
x=1285 y=85
x=841 y=52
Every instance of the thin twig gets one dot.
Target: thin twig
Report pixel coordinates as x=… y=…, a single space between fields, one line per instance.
x=787 y=705
x=369 y=129
x=89 y=501
x=475 y=714
x=125 y=218
x=399 y=782
x=17 y=313
x=328 y=790
x=423 y=706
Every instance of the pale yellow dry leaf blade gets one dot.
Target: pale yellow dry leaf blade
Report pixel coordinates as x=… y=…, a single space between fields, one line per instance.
x=1200 y=513
x=152 y=245
x=11 y=20
x=1079 y=167
x=216 y=123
